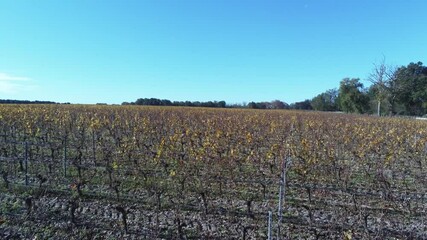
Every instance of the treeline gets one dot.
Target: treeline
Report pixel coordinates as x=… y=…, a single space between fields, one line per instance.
x=394 y=91
x=9 y=101
x=165 y=102
x=276 y=104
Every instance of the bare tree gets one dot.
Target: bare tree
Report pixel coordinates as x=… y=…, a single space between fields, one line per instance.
x=382 y=77
x=277 y=104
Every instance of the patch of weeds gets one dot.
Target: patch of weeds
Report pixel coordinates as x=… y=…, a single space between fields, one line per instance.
x=45 y=233
x=359 y=179
x=10 y=207
x=291 y=174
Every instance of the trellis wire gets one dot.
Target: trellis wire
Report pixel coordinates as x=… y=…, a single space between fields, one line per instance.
x=65 y=157
x=26 y=163
x=269 y=225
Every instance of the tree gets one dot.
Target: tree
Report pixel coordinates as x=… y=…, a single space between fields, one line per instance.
x=277 y=104
x=382 y=77
x=222 y=104
x=252 y=105
x=262 y=105
x=351 y=96
x=411 y=85
x=304 y=105
x=326 y=101
x=384 y=106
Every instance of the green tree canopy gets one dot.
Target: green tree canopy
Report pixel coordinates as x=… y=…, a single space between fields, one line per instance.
x=326 y=101
x=411 y=82
x=351 y=96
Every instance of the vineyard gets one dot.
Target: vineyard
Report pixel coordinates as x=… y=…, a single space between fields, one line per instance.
x=129 y=172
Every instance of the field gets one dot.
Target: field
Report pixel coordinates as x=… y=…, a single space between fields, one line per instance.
x=128 y=172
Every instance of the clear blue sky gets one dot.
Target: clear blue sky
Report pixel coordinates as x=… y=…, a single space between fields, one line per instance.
x=87 y=51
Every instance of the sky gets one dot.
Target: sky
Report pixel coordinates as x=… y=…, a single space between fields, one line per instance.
x=111 y=51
